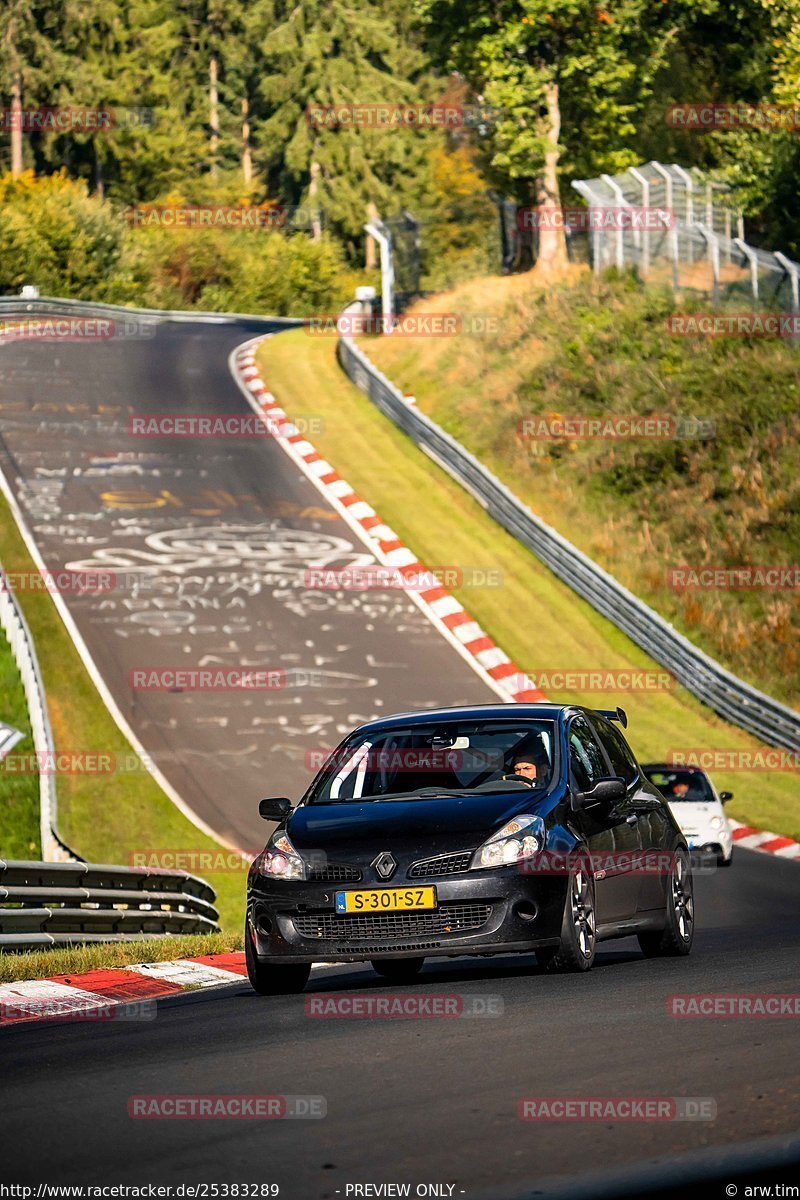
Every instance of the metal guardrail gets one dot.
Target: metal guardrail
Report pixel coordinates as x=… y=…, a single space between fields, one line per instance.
x=46 y=305
x=49 y=904
x=736 y=701
x=134 y=321
x=19 y=637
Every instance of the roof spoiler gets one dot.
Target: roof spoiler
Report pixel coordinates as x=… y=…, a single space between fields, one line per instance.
x=614 y=714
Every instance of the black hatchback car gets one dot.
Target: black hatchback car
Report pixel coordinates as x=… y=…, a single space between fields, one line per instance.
x=479 y=830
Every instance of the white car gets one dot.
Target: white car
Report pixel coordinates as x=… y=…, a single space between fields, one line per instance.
x=697 y=807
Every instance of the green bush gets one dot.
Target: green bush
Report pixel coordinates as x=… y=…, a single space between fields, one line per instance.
x=55 y=235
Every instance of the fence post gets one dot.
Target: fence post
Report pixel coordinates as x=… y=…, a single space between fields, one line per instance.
x=689 y=185
x=752 y=258
x=384 y=239
x=584 y=190
x=673 y=230
x=609 y=181
x=645 y=186
x=791 y=270
x=713 y=257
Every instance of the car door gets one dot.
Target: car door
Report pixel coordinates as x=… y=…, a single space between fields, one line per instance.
x=644 y=807
x=612 y=837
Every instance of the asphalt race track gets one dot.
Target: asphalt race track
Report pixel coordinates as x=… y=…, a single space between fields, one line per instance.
x=207 y=541
x=423 y=1101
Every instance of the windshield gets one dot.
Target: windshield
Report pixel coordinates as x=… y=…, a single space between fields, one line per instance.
x=424 y=761
x=681 y=785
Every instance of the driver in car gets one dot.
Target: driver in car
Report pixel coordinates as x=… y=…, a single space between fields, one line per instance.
x=530 y=765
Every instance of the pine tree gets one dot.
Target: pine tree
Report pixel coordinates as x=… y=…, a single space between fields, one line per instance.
x=337 y=53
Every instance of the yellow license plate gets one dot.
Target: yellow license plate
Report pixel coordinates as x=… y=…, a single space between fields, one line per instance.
x=372 y=900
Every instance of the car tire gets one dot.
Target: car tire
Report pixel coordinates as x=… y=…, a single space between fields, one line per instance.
x=675 y=940
x=398 y=970
x=578 y=928
x=270 y=978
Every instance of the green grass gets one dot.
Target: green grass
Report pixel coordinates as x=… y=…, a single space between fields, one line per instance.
x=104 y=818
x=535 y=618
x=75 y=960
x=599 y=348
x=19 y=794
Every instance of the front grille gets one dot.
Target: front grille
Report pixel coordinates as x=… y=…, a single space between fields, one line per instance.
x=334 y=873
x=445 y=864
x=395 y=948
x=447 y=918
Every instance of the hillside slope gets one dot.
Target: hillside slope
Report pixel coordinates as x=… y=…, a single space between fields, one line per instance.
x=640 y=508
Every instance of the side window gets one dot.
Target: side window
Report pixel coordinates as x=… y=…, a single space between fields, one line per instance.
x=585 y=759
x=622 y=761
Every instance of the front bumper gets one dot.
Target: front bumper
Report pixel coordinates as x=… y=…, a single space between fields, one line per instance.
x=521 y=914
x=718 y=841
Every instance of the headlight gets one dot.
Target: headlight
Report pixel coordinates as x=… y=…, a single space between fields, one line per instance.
x=716 y=822
x=280 y=860
x=520 y=838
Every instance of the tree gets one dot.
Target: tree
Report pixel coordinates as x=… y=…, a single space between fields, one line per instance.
x=333 y=52
x=566 y=78
x=31 y=57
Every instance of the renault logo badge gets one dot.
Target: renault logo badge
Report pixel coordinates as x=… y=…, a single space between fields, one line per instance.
x=385 y=865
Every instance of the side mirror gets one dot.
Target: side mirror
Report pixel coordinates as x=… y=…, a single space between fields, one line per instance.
x=725 y=797
x=605 y=793
x=275 y=809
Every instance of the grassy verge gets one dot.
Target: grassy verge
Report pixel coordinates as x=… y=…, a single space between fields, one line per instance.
x=640 y=508
x=74 y=960
x=535 y=618
x=19 y=794
x=105 y=818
